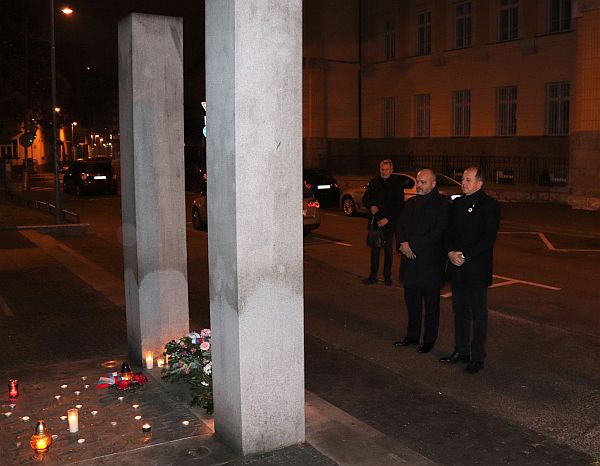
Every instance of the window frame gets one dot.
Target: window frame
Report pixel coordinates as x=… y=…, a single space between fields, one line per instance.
x=464 y=38
x=461 y=113
x=389 y=117
x=389 y=46
x=558 y=108
x=423 y=33
x=506 y=111
x=422 y=114
x=564 y=22
x=508 y=10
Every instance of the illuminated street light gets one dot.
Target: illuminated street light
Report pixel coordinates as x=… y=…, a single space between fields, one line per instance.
x=67 y=11
x=57 y=206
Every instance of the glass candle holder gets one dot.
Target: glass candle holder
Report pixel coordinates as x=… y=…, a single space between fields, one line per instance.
x=41 y=440
x=13 y=388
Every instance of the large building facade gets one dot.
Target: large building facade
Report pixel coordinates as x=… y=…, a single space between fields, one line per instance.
x=513 y=86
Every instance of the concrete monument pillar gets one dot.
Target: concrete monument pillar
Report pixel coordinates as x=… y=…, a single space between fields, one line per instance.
x=584 y=173
x=152 y=181
x=254 y=158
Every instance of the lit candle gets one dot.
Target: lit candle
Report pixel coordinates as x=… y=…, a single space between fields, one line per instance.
x=13 y=388
x=160 y=362
x=73 y=416
x=149 y=359
x=146 y=428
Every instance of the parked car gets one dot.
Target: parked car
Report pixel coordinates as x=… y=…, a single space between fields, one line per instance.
x=310 y=212
x=195 y=178
x=323 y=186
x=351 y=199
x=90 y=175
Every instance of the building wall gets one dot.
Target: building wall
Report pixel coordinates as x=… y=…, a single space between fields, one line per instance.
x=529 y=62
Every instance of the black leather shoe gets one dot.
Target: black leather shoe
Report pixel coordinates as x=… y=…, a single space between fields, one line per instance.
x=369 y=281
x=474 y=366
x=388 y=282
x=425 y=348
x=406 y=342
x=454 y=358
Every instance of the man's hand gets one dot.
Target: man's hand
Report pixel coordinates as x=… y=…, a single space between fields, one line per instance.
x=406 y=250
x=374 y=209
x=456 y=257
x=383 y=222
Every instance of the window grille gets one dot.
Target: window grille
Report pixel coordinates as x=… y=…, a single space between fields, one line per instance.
x=507 y=111
x=461 y=105
x=422 y=115
x=557 y=109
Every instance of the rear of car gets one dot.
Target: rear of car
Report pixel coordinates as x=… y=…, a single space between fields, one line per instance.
x=323 y=186
x=91 y=175
x=310 y=211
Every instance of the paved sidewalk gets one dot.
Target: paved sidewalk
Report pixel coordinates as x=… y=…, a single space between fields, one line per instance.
x=357 y=412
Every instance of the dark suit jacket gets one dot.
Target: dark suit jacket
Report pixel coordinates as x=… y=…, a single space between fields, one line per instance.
x=473 y=227
x=423 y=224
x=388 y=196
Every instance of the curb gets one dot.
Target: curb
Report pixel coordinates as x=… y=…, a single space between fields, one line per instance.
x=69 y=229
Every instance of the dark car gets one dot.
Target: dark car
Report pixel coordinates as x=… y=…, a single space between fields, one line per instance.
x=90 y=175
x=195 y=178
x=323 y=186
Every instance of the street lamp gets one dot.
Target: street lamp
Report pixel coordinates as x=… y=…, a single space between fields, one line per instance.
x=57 y=207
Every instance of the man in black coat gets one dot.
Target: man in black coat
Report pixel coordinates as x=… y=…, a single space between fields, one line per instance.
x=420 y=241
x=473 y=227
x=384 y=199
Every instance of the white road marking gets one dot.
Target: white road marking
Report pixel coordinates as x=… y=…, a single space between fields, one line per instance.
x=547 y=242
x=525 y=282
x=510 y=281
x=6 y=308
x=323 y=240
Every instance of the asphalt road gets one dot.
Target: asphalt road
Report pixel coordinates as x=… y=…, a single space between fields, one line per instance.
x=544 y=344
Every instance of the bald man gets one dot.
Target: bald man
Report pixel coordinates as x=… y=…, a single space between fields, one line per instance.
x=420 y=237
x=473 y=227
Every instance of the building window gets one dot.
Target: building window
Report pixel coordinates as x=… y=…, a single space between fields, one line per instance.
x=424 y=33
x=461 y=107
x=463 y=25
x=559 y=15
x=508 y=20
x=389 y=117
x=390 y=40
x=422 y=115
x=507 y=111
x=557 y=109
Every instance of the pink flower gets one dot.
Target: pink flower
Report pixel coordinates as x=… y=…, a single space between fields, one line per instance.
x=205 y=346
x=193 y=350
x=184 y=354
x=186 y=370
x=205 y=332
x=180 y=363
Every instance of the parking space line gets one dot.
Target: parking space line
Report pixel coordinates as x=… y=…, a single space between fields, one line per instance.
x=323 y=240
x=6 y=308
x=525 y=282
x=510 y=281
x=546 y=241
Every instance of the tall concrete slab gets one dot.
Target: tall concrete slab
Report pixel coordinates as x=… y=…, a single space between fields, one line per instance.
x=152 y=181
x=254 y=166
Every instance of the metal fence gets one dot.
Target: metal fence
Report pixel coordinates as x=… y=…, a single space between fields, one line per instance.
x=541 y=171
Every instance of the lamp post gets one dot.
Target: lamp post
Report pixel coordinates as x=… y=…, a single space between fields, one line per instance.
x=55 y=109
x=57 y=207
x=73 y=154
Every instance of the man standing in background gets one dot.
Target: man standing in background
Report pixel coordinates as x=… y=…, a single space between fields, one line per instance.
x=384 y=199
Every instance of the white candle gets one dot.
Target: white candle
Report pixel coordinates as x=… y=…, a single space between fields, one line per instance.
x=149 y=360
x=160 y=362
x=73 y=417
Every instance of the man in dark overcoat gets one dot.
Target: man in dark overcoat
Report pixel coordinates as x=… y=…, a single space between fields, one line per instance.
x=473 y=227
x=384 y=199
x=420 y=236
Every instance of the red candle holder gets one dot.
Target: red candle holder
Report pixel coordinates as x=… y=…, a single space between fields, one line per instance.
x=13 y=388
